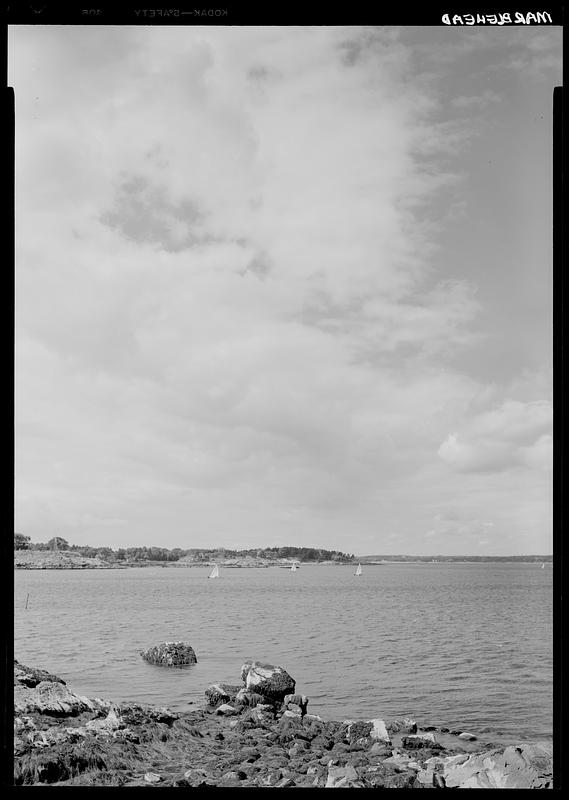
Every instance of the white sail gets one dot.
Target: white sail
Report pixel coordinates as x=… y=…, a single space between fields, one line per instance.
x=294 y=567
x=359 y=570
x=543 y=566
x=214 y=573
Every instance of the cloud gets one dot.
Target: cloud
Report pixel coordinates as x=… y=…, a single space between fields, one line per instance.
x=508 y=436
x=475 y=102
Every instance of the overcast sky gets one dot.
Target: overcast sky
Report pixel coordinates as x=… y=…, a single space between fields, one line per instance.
x=285 y=285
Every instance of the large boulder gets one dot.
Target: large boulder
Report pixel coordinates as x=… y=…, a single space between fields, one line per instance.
x=51 y=698
x=268 y=680
x=170 y=654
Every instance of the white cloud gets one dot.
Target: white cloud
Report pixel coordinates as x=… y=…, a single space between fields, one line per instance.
x=508 y=436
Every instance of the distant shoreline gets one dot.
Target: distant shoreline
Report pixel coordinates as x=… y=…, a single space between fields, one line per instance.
x=41 y=559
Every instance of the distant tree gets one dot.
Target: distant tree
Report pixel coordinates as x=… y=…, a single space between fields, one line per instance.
x=105 y=553
x=21 y=542
x=57 y=543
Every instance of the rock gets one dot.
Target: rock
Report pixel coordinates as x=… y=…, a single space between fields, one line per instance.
x=109 y=724
x=360 y=731
x=195 y=776
x=250 y=754
x=379 y=731
x=152 y=777
x=225 y=710
x=248 y=698
x=420 y=740
x=50 y=698
x=285 y=783
x=293 y=714
x=352 y=730
x=402 y=726
x=468 y=736
x=430 y=774
x=402 y=762
x=299 y=703
x=233 y=776
x=401 y=780
x=526 y=766
x=288 y=727
x=268 y=680
x=379 y=749
x=170 y=654
x=221 y=693
x=136 y=714
x=272 y=778
x=263 y=713
x=343 y=777
x=29 y=676
x=426 y=777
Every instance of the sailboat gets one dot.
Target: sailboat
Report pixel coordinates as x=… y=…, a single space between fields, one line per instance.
x=294 y=567
x=214 y=573
x=359 y=570
x=543 y=566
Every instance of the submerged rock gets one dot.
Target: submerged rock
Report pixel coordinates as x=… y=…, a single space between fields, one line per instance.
x=170 y=654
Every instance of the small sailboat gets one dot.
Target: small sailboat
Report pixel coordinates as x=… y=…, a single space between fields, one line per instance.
x=359 y=570
x=543 y=566
x=214 y=573
x=294 y=567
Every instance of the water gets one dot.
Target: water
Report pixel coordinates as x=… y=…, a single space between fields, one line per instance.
x=462 y=645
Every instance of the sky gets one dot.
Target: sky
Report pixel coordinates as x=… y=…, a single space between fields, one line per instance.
x=285 y=286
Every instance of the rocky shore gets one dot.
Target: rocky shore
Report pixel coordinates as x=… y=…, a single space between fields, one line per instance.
x=58 y=559
x=255 y=733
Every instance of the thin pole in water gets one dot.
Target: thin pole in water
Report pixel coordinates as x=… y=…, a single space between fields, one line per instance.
x=27 y=598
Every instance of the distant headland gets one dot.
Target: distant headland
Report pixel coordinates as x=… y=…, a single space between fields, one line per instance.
x=57 y=553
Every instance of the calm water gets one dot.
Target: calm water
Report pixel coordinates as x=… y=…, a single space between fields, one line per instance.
x=465 y=645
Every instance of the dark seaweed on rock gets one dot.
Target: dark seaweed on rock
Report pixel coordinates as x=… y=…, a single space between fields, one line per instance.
x=170 y=654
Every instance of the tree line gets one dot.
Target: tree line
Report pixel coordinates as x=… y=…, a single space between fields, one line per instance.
x=301 y=554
